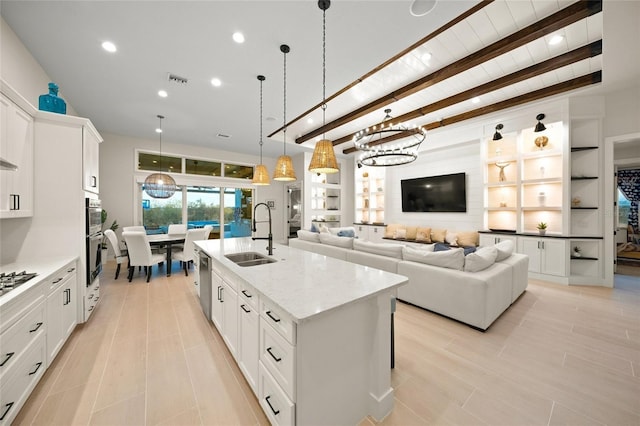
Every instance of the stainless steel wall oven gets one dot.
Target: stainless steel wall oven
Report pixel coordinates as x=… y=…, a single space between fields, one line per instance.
x=94 y=238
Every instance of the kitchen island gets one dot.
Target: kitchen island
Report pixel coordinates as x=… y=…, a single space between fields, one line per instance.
x=310 y=333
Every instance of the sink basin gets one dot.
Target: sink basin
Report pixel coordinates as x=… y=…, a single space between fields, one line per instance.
x=250 y=258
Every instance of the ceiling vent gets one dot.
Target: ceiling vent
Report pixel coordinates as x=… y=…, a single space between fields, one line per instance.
x=177 y=78
x=222 y=135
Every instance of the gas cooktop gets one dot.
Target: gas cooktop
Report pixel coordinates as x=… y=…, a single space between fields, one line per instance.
x=11 y=280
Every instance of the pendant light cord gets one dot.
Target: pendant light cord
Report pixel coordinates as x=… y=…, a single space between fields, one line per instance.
x=261 y=80
x=324 y=68
x=160 y=117
x=284 y=115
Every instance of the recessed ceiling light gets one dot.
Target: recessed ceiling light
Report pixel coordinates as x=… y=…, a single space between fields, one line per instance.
x=109 y=47
x=215 y=82
x=310 y=120
x=162 y=93
x=158 y=130
x=426 y=57
x=238 y=37
x=422 y=7
x=556 y=39
x=475 y=100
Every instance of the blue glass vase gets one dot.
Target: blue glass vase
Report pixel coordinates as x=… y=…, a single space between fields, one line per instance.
x=51 y=102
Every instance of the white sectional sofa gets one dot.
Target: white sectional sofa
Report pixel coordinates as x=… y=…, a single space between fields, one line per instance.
x=475 y=296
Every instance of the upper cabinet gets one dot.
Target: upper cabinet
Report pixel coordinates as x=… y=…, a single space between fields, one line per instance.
x=90 y=160
x=16 y=153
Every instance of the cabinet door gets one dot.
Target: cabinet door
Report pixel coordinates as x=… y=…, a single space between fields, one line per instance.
x=532 y=248
x=376 y=233
x=69 y=306
x=487 y=240
x=216 y=301
x=55 y=328
x=248 y=342
x=16 y=146
x=230 y=320
x=90 y=161
x=554 y=257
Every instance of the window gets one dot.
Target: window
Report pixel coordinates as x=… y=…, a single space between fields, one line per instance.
x=238 y=171
x=171 y=164
x=158 y=214
x=151 y=162
x=624 y=208
x=203 y=168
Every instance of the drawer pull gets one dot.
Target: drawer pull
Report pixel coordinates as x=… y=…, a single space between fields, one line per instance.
x=246 y=294
x=38 y=325
x=275 y=412
x=71 y=270
x=36 y=370
x=57 y=281
x=8 y=408
x=273 y=356
x=272 y=317
x=245 y=309
x=8 y=357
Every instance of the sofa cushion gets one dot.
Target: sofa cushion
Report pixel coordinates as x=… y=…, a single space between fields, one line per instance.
x=423 y=235
x=468 y=238
x=383 y=249
x=505 y=250
x=309 y=236
x=334 y=240
x=481 y=259
x=452 y=259
x=390 y=230
x=438 y=235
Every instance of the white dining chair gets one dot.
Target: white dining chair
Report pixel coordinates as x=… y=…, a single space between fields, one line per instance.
x=177 y=229
x=120 y=254
x=208 y=229
x=186 y=255
x=137 y=228
x=140 y=253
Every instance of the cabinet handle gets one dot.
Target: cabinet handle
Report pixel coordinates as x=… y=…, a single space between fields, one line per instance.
x=273 y=356
x=71 y=270
x=272 y=317
x=91 y=308
x=245 y=309
x=275 y=412
x=249 y=296
x=9 y=405
x=37 y=327
x=94 y=181
x=57 y=281
x=15 y=201
x=36 y=370
x=8 y=357
x=221 y=294
x=542 y=245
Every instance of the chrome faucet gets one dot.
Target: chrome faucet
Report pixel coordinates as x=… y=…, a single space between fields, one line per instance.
x=270 y=237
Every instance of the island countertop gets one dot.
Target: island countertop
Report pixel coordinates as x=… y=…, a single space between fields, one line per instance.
x=302 y=283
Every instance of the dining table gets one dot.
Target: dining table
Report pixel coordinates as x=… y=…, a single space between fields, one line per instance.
x=167 y=241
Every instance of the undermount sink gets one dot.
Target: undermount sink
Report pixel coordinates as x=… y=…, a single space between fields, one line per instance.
x=250 y=258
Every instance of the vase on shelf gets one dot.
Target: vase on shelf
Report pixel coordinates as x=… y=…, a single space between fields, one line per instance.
x=542 y=199
x=542 y=231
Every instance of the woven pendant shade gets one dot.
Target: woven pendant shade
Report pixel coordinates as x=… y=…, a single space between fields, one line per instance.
x=260 y=175
x=284 y=169
x=324 y=159
x=159 y=185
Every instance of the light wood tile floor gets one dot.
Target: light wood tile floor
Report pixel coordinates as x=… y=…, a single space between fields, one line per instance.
x=559 y=356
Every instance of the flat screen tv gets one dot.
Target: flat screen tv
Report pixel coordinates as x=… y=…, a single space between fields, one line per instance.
x=446 y=193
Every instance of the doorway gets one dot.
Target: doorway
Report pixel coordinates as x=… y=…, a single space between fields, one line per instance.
x=294 y=209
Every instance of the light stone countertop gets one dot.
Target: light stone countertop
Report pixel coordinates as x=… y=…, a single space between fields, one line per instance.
x=301 y=283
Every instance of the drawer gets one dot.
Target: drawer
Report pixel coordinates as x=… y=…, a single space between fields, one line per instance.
x=274 y=402
x=59 y=277
x=279 y=321
x=21 y=381
x=14 y=340
x=249 y=295
x=279 y=357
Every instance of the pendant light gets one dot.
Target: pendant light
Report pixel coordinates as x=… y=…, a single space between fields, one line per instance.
x=260 y=174
x=160 y=185
x=324 y=159
x=284 y=166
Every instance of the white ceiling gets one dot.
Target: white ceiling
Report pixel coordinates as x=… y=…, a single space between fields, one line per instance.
x=118 y=92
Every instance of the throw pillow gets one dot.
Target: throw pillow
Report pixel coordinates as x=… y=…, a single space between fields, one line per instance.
x=481 y=259
x=441 y=247
x=314 y=228
x=412 y=231
x=401 y=233
x=468 y=238
x=324 y=228
x=391 y=229
x=337 y=230
x=383 y=249
x=452 y=259
x=334 y=240
x=505 y=250
x=423 y=235
x=346 y=233
x=308 y=236
x=468 y=250
x=438 y=235
x=451 y=238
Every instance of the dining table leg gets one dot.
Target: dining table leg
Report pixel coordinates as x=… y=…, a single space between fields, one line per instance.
x=169 y=259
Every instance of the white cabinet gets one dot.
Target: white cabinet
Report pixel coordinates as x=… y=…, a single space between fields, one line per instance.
x=217 y=286
x=248 y=334
x=491 y=239
x=90 y=161
x=16 y=147
x=61 y=309
x=224 y=310
x=546 y=255
x=196 y=273
x=370 y=232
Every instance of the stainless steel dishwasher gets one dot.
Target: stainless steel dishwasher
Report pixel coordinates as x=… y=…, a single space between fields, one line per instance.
x=205 y=284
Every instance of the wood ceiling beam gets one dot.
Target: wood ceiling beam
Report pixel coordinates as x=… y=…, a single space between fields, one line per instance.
x=565 y=86
x=570 y=14
x=394 y=58
x=568 y=58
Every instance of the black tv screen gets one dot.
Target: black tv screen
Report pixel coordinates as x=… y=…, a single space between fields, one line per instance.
x=446 y=193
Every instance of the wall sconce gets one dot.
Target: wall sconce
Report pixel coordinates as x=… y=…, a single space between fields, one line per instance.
x=540 y=126
x=497 y=136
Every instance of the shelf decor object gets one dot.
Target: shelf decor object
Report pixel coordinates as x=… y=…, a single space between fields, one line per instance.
x=501 y=165
x=51 y=101
x=324 y=159
x=541 y=142
x=284 y=171
x=160 y=185
x=542 y=228
x=376 y=143
x=260 y=174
